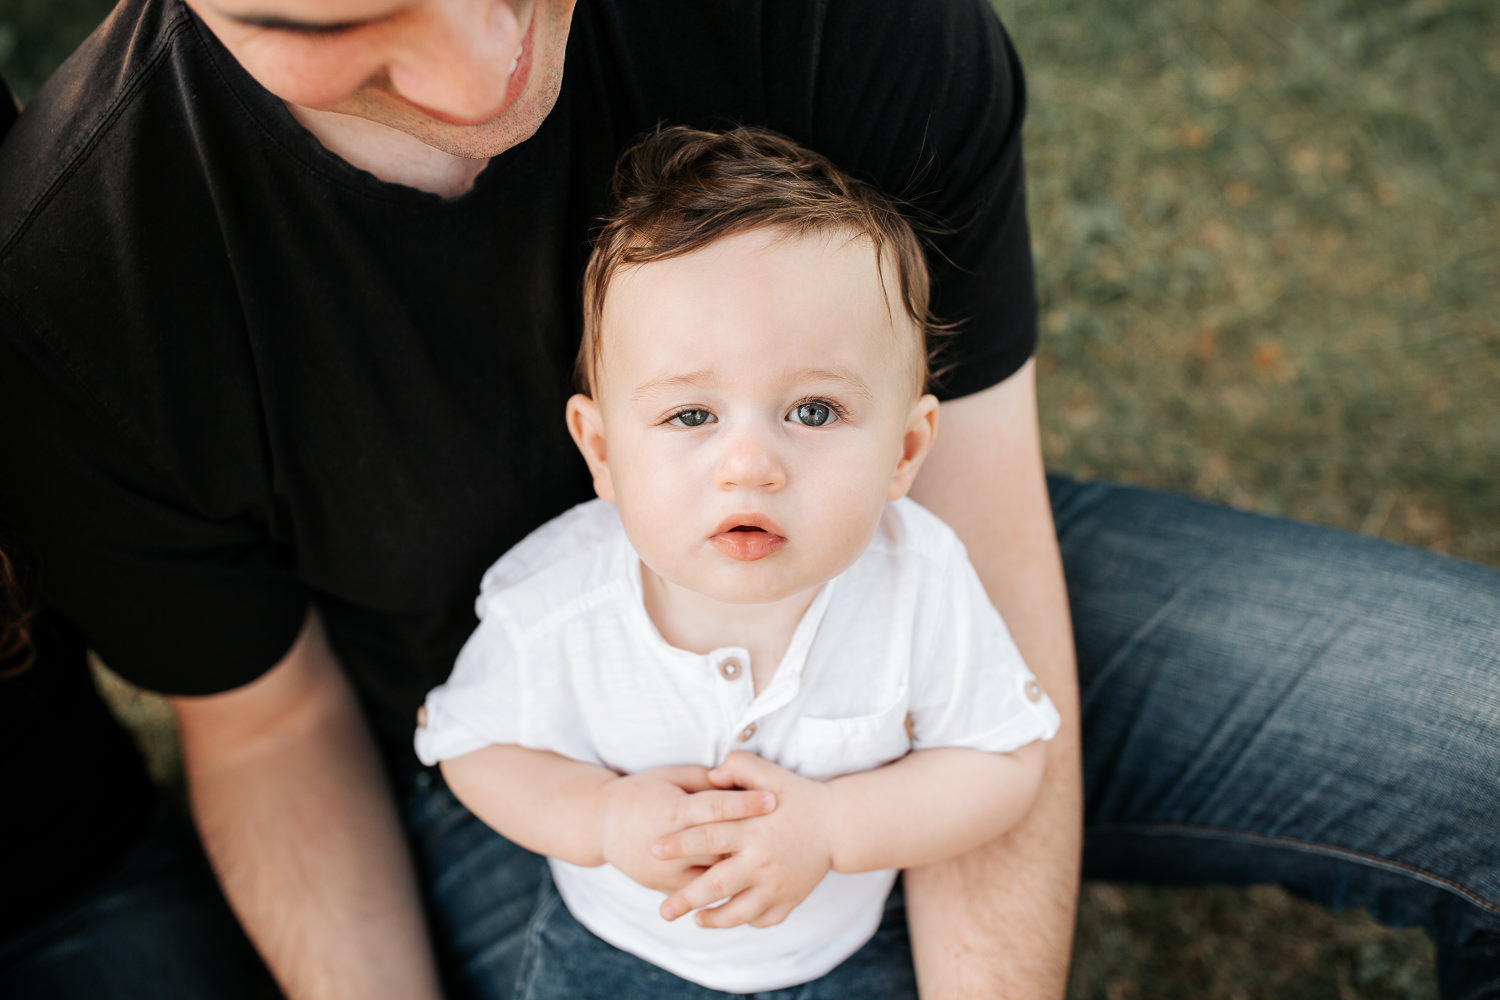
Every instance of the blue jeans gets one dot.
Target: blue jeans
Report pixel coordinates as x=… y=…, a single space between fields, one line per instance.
x=156 y=926
x=562 y=960
x=1263 y=701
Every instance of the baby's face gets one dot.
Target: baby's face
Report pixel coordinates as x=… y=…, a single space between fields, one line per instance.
x=754 y=412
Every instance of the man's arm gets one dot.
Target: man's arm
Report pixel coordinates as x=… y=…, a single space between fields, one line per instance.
x=998 y=921
x=294 y=810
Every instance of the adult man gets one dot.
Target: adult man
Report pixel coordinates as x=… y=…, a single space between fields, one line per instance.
x=235 y=237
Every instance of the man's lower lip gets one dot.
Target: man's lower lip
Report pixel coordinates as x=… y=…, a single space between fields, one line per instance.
x=747 y=546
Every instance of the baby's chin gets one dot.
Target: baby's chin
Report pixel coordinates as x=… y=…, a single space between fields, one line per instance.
x=737 y=584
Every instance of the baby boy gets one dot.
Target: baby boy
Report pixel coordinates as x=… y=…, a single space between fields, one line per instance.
x=751 y=681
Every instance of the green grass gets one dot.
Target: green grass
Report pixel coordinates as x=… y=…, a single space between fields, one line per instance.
x=1268 y=237
x=1268 y=241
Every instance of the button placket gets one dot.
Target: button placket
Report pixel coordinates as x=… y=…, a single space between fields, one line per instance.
x=733 y=690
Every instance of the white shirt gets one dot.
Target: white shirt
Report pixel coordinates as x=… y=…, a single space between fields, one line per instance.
x=566 y=659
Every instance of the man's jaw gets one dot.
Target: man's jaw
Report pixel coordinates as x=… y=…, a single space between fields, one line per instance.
x=515 y=88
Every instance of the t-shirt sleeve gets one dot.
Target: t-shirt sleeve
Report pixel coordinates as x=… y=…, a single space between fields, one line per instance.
x=507 y=687
x=173 y=596
x=927 y=100
x=972 y=689
x=483 y=702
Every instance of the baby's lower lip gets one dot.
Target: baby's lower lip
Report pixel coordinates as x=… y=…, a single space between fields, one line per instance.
x=747 y=546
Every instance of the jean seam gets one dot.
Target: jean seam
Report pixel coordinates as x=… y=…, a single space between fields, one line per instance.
x=530 y=963
x=1309 y=846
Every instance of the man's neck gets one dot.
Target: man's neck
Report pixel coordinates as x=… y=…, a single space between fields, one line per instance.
x=393 y=156
x=700 y=624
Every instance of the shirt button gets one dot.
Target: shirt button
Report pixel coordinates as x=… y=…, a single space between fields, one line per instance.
x=747 y=733
x=730 y=669
x=421 y=716
x=1033 y=690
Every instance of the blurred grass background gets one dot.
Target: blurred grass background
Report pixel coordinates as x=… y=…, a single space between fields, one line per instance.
x=1268 y=242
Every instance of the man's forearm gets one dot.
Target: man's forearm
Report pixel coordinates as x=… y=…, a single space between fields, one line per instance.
x=998 y=922
x=297 y=818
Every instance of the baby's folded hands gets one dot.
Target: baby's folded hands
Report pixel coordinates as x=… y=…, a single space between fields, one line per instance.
x=641 y=808
x=764 y=865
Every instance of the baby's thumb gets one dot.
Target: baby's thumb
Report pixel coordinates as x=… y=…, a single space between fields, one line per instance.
x=739 y=770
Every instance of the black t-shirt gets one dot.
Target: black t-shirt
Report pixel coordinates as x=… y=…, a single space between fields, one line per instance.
x=241 y=375
x=75 y=793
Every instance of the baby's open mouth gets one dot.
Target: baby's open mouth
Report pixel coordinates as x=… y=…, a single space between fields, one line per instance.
x=747 y=541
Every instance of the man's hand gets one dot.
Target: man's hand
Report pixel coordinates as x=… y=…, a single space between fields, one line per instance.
x=770 y=863
x=639 y=808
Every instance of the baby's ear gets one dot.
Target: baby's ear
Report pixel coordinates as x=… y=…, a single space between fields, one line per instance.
x=586 y=425
x=921 y=429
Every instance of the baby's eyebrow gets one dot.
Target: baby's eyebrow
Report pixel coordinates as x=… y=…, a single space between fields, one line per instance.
x=853 y=382
x=686 y=380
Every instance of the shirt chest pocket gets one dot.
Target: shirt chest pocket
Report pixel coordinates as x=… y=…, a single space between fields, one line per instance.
x=827 y=748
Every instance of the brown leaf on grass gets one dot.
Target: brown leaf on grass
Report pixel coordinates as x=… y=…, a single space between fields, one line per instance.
x=1206 y=345
x=1238 y=192
x=1305 y=161
x=1215 y=234
x=1266 y=356
x=1193 y=135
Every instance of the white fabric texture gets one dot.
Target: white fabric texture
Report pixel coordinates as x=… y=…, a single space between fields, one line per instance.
x=566 y=659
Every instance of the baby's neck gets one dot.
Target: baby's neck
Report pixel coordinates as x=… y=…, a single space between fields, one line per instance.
x=699 y=624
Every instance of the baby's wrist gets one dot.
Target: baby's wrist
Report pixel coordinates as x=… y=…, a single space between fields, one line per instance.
x=602 y=807
x=841 y=851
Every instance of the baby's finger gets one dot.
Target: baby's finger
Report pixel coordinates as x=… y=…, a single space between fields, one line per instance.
x=698 y=841
x=772 y=917
x=688 y=777
x=718 y=806
x=745 y=908
x=722 y=881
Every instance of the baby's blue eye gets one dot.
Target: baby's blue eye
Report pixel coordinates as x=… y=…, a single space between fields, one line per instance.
x=691 y=418
x=812 y=414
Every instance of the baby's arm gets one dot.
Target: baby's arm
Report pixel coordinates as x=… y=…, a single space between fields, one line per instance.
x=589 y=815
x=928 y=806
x=931 y=805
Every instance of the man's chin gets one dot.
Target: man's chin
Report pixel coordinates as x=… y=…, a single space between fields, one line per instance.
x=475 y=141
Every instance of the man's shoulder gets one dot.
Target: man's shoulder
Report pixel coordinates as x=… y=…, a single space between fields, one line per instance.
x=109 y=280
x=85 y=110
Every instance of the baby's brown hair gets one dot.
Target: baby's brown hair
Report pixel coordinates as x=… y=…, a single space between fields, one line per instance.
x=679 y=189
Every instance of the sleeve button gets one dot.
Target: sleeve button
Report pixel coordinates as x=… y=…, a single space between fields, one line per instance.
x=747 y=733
